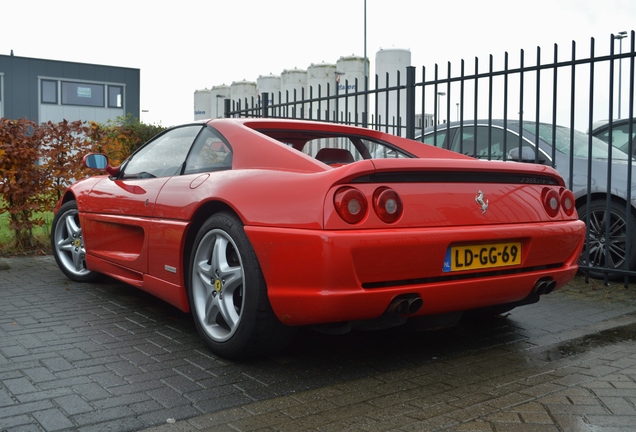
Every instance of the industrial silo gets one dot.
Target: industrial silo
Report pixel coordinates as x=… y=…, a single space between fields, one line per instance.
x=293 y=88
x=202 y=104
x=392 y=63
x=321 y=82
x=244 y=95
x=217 y=98
x=270 y=84
x=350 y=72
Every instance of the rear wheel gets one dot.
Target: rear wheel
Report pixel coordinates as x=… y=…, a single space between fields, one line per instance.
x=228 y=294
x=608 y=249
x=67 y=243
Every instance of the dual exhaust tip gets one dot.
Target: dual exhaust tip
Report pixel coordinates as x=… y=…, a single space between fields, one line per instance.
x=406 y=304
x=544 y=286
x=409 y=304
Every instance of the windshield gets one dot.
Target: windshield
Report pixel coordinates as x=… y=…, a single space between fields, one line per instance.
x=579 y=147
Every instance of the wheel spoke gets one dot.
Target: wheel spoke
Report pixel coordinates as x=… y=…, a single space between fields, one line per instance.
x=71 y=227
x=78 y=258
x=226 y=274
x=618 y=226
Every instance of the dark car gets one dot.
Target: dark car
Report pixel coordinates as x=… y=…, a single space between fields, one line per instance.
x=571 y=161
x=620 y=134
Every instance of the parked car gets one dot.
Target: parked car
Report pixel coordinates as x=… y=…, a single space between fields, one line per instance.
x=259 y=226
x=570 y=160
x=621 y=137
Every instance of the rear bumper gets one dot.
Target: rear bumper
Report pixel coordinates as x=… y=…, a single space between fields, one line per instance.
x=318 y=276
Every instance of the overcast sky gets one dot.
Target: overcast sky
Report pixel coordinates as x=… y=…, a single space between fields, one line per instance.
x=186 y=45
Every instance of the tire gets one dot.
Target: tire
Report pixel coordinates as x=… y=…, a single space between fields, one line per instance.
x=616 y=245
x=68 y=245
x=228 y=294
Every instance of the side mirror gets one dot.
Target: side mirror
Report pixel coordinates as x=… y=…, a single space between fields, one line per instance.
x=99 y=161
x=527 y=154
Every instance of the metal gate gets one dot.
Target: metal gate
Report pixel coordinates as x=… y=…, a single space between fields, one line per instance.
x=549 y=103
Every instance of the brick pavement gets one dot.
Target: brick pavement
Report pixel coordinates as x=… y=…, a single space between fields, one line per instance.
x=511 y=388
x=93 y=357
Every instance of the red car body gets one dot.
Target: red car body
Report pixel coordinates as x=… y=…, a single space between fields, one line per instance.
x=448 y=250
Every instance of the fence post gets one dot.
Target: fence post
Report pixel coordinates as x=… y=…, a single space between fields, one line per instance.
x=226 y=107
x=410 y=102
x=265 y=104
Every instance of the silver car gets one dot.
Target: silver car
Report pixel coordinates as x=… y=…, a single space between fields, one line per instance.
x=608 y=231
x=620 y=134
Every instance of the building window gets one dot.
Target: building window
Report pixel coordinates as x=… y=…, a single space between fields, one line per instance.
x=115 y=97
x=49 y=91
x=83 y=94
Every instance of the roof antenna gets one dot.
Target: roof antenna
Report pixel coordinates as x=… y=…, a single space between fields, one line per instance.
x=11 y=53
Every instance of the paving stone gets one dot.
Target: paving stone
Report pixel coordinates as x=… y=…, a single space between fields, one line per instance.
x=104 y=356
x=73 y=404
x=52 y=420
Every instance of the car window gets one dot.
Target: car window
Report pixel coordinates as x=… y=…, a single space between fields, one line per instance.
x=475 y=142
x=313 y=147
x=481 y=145
x=346 y=149
x=620 y=137
x=580 y=145
x=441 y=140
x=163 y=156
x=209 y=153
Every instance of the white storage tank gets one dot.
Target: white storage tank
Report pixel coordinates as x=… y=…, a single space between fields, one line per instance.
x=202 y=104
x=392 y=61
x=244 y=95
x=321 y=82
x=350 y=78
x=217 y=98
x=271 y=85
x=293 y=87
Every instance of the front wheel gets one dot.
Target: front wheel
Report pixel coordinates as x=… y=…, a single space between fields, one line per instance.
x=608 y=238
x=228 y=294
x=67 y=244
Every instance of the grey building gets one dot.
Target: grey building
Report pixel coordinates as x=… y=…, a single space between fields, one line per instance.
x=50 y=90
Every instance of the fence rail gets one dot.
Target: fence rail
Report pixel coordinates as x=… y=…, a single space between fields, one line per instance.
x=574 y=92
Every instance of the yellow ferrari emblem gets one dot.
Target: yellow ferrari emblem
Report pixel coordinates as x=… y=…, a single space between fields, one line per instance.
x=217 y=285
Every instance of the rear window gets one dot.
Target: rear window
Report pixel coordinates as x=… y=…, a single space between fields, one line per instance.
x=359 y=148
x=336 y=148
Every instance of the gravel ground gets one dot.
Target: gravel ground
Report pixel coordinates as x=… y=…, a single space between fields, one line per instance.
x=594 y=288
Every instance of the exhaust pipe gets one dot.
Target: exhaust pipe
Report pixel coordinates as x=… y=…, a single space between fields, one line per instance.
x=405 y=304
x=544 y=286
x=539 y=287
x=398 y=306
x=415 y=304
x=550 y=287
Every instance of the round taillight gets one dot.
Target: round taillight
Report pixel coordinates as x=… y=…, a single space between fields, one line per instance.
x=387 y=204
x=351 y=204
x=567 y=202
x=551 y=202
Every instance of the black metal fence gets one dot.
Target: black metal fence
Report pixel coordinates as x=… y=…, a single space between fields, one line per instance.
x=567 y=89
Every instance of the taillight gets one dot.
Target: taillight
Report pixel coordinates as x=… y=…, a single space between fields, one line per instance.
x=551 y=202
x=350 y=204
x=567 y=202
x=387 y=204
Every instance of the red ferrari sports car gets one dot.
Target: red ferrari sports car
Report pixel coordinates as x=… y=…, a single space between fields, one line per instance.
x=258 y=226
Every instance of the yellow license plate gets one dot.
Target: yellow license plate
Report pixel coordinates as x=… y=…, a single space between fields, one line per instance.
x=474 y=257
